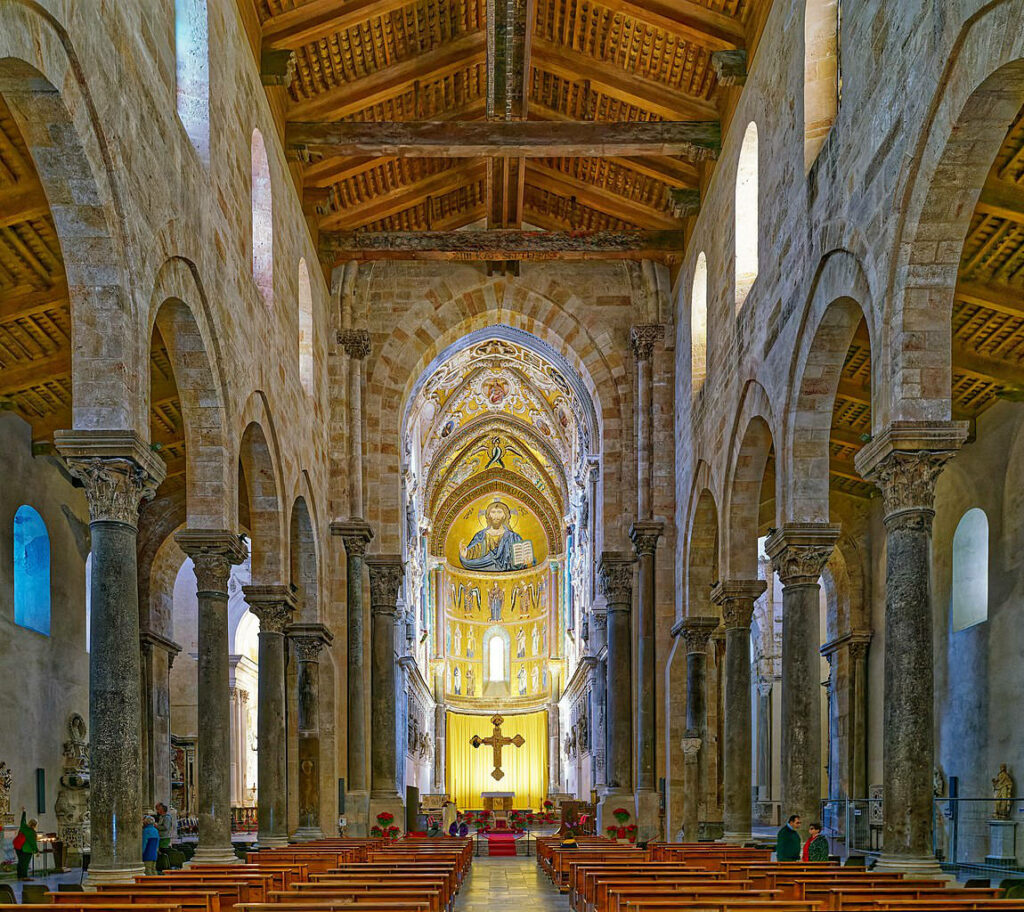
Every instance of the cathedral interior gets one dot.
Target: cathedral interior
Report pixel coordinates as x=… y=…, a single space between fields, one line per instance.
x=619 y=396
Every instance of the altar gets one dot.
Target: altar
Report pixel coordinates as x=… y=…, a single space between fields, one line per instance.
x=499 y=804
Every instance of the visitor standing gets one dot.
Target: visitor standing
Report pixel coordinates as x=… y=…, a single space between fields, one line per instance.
x=816 y=848
x=167 y=825
x=150 y=843
x=25 y=844
x=787 y=842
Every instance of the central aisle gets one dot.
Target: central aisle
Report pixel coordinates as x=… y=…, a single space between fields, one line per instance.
x=509 y=883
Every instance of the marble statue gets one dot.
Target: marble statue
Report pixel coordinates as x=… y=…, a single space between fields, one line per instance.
x=6 y=817
x=1003 y=786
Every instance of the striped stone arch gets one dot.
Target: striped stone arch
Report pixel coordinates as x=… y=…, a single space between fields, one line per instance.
x=598 y=358
x=753 y=437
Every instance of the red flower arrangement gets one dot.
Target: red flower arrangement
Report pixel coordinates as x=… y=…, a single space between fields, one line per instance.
x=621 y=815
x=548 y=803
x=384 y=818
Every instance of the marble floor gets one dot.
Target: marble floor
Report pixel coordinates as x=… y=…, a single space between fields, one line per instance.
x=509 y=883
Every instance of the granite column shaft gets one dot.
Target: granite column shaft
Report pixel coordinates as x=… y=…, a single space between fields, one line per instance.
x=307 y=642
x=385 y=572
x=616 y=577
x=696 y=633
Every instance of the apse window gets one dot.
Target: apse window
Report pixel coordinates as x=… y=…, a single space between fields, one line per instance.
x=192 y=74
x=699 y=324
x=31 y=571
x=262 y=220
x=495 y=659
x=305 y=329
x=821 y=74
x=970 y=570
x=746 y=215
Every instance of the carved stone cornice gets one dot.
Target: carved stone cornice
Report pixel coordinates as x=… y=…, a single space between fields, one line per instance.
x=644 y=535
x=356 y=342
x=355 y=535
x=213 y=552
x=308 y=640
x=615 y=577
x=905 y=460
x=799 y=551
x=736 y=598
x=274 y=606
x=696 y=632
x=856 y=644
x=150 y=640
x=643 y=337
x=117 y=470
x=386 y=572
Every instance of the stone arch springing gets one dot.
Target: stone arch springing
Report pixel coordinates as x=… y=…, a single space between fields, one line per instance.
x=747 y=218
x=821 y=74
x=264 y=506
x=262 y=220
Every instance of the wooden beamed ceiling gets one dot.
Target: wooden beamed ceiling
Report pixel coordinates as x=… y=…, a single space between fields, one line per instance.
x=412 y=116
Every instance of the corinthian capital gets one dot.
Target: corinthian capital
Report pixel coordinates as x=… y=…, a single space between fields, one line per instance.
x=799 y=551
x=644 y=535
x=696 y=632
x=386 y=572
x=905 y=460
x=355 y=535
x=615 y=577
x=643 y=337
x=213 y=552
x=272 y=605
x=308 y=640
x=736 y=598
x=117 y=470
x=356 y=342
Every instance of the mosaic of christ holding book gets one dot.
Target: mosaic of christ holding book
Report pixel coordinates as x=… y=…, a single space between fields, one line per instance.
x=496 y=548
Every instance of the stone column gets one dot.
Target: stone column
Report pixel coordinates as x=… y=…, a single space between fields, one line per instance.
x=857 y=650
x=386 y=571
x=736 y=598
x=307 y=642
x=118 y=472
x=157 y=657
x=356 y=535
x=799 y=552
x=643 y=339
x=764 y=738
x=274 y=607
x=616 y=580
x=904 y=462
x=696 y=633
x=356 y=343
x=213 y=552
x=598 y=692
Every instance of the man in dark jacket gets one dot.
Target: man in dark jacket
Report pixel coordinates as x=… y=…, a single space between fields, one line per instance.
x=787 y=843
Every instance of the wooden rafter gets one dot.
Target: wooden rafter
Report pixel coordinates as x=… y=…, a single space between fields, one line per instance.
x=22 y=202
x=992 y=370
x=29 y=304
x=696 y=23
x=24 y=375
x=1000 y=298
x=320 y=19
x=1003 y=200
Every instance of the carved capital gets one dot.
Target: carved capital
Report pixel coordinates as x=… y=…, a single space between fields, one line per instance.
x=904 y=462
x=857 y=646
x=691 y=747
x=356 y=342
x=644 y=337
x=273 y=606
x=799 y=551
x=117 y=470
x=355 y=535
x=696 y=633
x=736 y=598
x=599 y=620
x=764 y=686
x=615 y=577
x=308 y=640
x=386 y=572
x=213 y=552
x=644 y=535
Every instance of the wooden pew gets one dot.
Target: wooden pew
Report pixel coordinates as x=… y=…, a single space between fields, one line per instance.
x=326 y=905
x=190 y=900
x=233 y=889
x=620 y=898
x=85 y=906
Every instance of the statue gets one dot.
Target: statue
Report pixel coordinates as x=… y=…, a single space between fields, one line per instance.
x=938 y=783
x=72 y=805
x=1003 y=786
x=6 y=817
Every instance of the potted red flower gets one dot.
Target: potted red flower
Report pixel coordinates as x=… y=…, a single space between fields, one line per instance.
x=631 y=832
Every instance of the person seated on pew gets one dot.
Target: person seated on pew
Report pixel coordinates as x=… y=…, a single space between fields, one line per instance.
x=816 y=848
x=787 y=842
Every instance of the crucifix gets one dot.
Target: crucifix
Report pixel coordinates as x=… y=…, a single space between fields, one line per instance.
x=497 y=741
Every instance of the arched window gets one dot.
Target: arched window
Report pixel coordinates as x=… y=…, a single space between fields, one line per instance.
x=31 y=571
x=496 y=659
x=192 y=77
x=305 y=329
x=821 y=74
x=699 y=323
x=746 y=215
x=262 y=220
x=970 y=570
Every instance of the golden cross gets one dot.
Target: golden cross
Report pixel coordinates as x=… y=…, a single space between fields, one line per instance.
x=497 y=741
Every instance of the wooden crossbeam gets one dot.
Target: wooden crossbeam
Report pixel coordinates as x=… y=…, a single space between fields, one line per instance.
x=992 y=370
x=399 y=199
x=386 y=83
x=610 y=79
x=32 y=303
x=854 y=392
x=531 y=139
x=319 y=19
x=501 y=245
x=16 y=378
x=1000 y=298
x=1003 y=200
x=696 y=23
x=606 y=201
x=22 y=202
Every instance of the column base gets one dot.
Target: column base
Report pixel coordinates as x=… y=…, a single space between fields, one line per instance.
x=307 y=834
x=213 y=854
x=387 y=802
x=648 y=816
x=610 y=801
x=96 y=877
x=266 y=841
x=357 y=813
x=911 y=866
